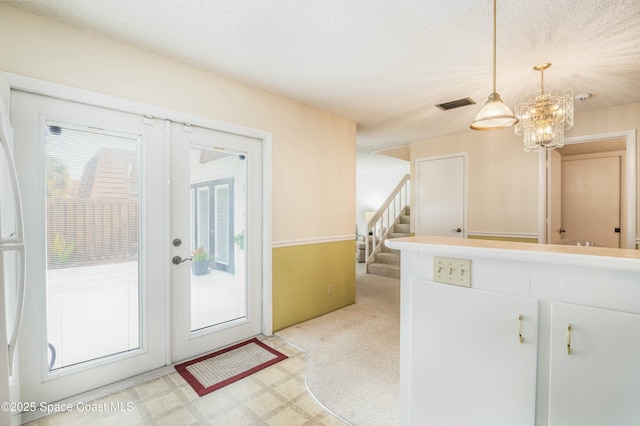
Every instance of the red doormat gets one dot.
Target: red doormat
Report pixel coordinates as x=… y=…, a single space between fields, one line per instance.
x=221 y=368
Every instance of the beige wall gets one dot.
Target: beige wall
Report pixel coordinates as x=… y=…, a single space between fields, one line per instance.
x=313 y=151
x=503 y=179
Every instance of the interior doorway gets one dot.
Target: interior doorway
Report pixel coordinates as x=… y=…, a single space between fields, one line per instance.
x=591 y=198
x=588 y=191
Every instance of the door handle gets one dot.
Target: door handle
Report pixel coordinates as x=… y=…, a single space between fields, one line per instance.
x=520 y=338
x=568 y=339
x=456 y=229
x=178 y=260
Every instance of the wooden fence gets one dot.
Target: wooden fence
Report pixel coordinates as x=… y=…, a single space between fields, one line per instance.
x=82 y=232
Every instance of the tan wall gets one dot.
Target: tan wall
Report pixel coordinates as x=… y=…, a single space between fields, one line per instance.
x=503 y=179
x=313 y=151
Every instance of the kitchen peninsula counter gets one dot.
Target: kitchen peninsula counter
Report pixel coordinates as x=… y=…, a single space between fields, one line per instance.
x=526 y=343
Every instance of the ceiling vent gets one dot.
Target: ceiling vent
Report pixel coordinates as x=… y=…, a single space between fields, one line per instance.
x=455 y=104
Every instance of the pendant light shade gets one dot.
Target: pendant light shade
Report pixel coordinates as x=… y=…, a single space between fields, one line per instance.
x=494 y=114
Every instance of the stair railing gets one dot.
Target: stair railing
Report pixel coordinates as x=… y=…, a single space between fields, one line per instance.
x=380 y=223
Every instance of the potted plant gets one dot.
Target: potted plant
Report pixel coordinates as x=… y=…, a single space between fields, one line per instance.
x=200 y=261
x=239 y=240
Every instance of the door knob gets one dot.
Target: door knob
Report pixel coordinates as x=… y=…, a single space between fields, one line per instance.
x=178 y=260
x=456 y=229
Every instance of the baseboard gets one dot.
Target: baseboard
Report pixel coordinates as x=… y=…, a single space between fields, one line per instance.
x=504 y=236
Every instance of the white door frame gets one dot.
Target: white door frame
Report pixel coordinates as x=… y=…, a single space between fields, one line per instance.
x=630 y=225
x=416 y=171
x=69 y=93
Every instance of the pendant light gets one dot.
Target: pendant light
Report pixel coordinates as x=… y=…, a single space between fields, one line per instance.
x=494 y=114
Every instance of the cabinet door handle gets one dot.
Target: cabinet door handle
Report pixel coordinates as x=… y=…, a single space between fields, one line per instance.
x=520 y=329
x=568 y=339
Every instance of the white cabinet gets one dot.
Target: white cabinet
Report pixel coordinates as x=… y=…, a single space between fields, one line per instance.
x=468 y=365
x=460 y=363
x=598 y=382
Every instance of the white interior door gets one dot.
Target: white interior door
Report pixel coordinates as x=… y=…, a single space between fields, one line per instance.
x=93 y=184
x=216 y=233
x=591 y=199
x=441 y=196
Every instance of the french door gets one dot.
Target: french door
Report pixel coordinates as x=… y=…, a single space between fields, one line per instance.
x=93 y=181
x=114 y=251
x=216 y=239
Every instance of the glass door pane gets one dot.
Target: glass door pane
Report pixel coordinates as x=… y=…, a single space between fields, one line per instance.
x=92 y=274
x=218 y=225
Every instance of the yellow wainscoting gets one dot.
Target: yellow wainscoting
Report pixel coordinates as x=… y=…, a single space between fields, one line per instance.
x=301 y=276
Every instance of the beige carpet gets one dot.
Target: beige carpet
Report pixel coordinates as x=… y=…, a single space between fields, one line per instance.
x=353 y=353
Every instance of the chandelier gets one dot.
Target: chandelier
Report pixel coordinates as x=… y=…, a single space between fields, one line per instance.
x=544 y=117
x=494 y=114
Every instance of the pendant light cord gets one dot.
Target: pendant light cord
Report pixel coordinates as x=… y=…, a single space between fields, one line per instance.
x=494 y=46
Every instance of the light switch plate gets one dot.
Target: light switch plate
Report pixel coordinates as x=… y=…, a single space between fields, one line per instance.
x=449 y=270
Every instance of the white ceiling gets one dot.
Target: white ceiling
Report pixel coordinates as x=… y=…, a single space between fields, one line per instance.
x=385 y=63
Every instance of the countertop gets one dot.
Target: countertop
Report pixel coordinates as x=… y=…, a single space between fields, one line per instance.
x=599 y=257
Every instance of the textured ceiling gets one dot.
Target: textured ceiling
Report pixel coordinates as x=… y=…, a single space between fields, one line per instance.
x=385 y=63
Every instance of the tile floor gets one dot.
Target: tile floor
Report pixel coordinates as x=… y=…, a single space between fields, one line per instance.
x=275 y=396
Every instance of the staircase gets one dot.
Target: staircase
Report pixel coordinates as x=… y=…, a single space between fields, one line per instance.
x=390 y=221
x=386 y=262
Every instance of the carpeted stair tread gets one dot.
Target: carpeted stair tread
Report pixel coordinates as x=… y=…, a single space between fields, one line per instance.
x=386 y=249
x=383 y=269
x=401 y=228
x=388 y=258
x=398 y=235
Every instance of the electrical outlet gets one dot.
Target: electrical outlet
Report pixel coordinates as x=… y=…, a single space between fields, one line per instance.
x=329 y=289
x=449 y=270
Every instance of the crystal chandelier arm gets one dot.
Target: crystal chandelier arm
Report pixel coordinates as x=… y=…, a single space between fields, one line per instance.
x=541 y=68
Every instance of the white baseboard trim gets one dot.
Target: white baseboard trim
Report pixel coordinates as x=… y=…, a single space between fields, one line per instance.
x=307 y=241
x=502 y=234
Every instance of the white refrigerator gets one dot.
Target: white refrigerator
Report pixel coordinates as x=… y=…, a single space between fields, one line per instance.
x=12 y=268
